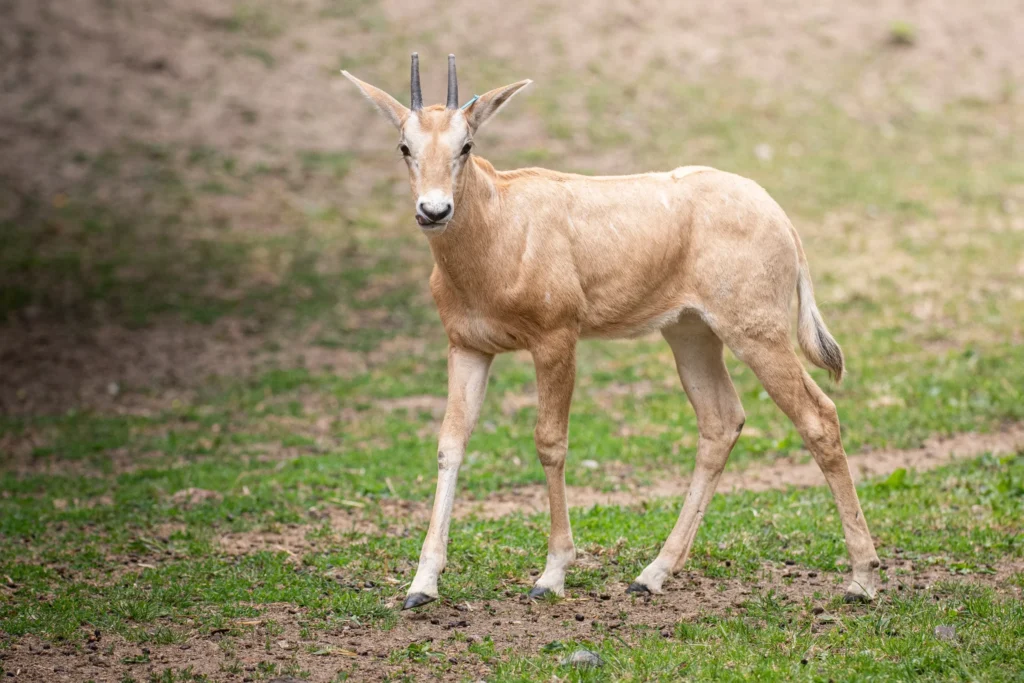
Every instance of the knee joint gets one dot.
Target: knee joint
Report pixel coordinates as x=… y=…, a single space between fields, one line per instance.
x=727 y=431
x=448 y=458
x=552 y=446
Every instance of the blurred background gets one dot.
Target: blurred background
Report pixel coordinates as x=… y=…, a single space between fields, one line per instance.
x=189 y=189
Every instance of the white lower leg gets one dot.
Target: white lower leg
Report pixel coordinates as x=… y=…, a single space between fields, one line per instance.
x=677 y=547
x=553 y=578
x=861 y=549
x=435 y=547
x=561 y=550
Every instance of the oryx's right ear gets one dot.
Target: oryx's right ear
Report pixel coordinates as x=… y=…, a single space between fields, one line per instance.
x=395 y=111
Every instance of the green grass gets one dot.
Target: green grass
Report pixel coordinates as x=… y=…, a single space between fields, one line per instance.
x=963 y=518
x=915 y=249
x=778 y=641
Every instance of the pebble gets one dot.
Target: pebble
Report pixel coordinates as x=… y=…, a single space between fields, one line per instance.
x=582 y=659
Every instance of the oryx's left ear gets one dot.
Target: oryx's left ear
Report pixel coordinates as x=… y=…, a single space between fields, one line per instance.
x=395 y=111
x=488 y=104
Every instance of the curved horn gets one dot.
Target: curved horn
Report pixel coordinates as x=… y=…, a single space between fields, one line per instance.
x=414 y=81
x=453 y=84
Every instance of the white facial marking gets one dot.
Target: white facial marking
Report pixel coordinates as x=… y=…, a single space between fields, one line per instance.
x=435 y=206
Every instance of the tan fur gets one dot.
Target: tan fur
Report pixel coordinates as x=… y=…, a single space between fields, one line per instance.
x=535 y=259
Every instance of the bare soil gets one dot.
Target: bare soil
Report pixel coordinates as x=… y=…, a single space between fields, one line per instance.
x=404 y=516
x=781 y=474
x=449 y=629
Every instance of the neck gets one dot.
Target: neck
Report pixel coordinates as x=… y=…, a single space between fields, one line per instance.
x=471 y=231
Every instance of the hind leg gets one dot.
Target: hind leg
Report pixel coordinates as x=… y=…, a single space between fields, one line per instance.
x=698 y=354
x=815 y=417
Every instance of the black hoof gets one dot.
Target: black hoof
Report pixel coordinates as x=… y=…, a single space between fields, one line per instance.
x=856 y=598
x=538 y=592
x=416 y=600
x=638 y=588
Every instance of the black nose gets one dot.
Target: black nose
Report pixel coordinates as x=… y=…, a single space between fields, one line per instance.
x=435 y=215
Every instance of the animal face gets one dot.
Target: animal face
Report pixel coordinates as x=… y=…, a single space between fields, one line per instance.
x=436 y=144
x=436 y=141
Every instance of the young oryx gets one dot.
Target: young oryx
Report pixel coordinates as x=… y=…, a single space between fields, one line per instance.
x=535 y=259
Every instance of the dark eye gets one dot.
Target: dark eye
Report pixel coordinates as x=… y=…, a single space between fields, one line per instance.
x=404 y=149
x=465 y=148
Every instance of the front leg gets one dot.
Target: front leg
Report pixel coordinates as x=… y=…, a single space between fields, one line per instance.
x=467 y=384
x=555 y=361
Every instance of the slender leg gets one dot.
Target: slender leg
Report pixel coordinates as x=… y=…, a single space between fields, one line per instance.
x=698 y=354
x=555 y=361
x=815 y=417
x=467 y=383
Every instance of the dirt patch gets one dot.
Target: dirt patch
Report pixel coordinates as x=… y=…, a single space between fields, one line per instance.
x=447 y=630
x=231 y=75
x=397 y=517
x=781 y=474
x=49 y=368
x=298 y=539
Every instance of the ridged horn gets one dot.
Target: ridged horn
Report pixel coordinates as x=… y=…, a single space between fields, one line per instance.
x=414 y=83
x=453 y=84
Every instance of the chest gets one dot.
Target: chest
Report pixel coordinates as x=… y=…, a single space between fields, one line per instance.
x=499 y=316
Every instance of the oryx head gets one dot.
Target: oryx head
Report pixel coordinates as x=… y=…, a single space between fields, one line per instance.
x=436 y=141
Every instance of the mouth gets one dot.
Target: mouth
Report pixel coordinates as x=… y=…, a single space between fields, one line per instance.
x=428 y=224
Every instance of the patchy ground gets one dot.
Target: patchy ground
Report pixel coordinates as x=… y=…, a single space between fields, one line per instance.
x=223 y=374
x=452 y=634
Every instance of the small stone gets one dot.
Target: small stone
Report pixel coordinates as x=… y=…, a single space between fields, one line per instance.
x=589 y=464
x=764 y=152
x=945 y=632
x=818 y=610
x=580 y=617
x=582 y=659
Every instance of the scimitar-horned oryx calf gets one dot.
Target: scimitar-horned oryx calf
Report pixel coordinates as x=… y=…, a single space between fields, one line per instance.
x=535 y=259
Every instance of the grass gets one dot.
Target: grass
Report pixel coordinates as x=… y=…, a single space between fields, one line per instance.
x=909 y=222
x=962 y=519
x=783 y=642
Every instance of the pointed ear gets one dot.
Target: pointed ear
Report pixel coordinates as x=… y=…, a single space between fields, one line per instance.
x=395 y=111
x=489 y=103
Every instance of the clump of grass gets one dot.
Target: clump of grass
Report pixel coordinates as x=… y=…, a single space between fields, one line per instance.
x=902 y=33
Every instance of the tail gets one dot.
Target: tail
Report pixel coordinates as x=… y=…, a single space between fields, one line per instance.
x=815 y=340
